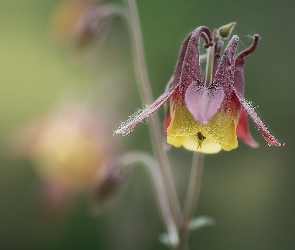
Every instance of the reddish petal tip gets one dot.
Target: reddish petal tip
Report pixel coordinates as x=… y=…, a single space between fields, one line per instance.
x=273 y=142
x=254 y=144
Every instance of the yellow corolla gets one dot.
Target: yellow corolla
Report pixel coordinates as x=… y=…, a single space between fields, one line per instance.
x=219 y=133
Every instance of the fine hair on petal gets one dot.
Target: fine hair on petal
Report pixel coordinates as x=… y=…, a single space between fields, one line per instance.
x=127 y=127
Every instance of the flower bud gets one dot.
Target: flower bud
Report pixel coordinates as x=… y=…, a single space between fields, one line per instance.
x=225 y=30
x=78 y=23
x=109 y=179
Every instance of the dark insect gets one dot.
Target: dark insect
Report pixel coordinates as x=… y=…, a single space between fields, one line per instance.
x=201 y=138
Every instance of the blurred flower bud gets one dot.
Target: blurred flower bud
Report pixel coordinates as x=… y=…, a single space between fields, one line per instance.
x=79 y=22
x=66 y=18
x=109 y=180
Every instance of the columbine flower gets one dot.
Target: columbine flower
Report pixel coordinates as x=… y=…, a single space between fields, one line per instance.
x=206 y=117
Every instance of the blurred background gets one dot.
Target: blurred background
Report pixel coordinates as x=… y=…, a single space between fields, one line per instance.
x=60 y=100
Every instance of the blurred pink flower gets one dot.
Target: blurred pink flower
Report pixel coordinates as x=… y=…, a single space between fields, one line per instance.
x=68 y=148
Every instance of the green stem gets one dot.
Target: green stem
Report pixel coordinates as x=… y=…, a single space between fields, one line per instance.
x=210 y=64
x=110 y=10
x=147 y=98
x=194 y=186
x=161 y=193
x=183 y=242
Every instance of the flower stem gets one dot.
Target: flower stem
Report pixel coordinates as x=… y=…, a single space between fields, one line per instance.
x=194 y=186
x=146 y=98
x=110 y=10
x=209 y=66
x=153 y=168
x=183 y=242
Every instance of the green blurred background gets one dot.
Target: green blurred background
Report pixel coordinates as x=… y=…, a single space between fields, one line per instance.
x=249 y=192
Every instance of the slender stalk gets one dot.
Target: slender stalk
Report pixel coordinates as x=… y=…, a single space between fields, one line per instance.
x=209 y=66
x=194 y=186
x=146 y=97
x=154 y=170
x=183 y=242
x=110 y=10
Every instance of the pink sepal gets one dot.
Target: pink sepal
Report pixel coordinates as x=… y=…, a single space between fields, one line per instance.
x=127 y=126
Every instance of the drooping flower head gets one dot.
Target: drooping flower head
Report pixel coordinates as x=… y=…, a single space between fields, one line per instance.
x=207 y=111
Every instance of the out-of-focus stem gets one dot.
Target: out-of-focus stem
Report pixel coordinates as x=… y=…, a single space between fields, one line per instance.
x=110 y=10
x=154 y=170
x=194 y=186
x=146 y=97
x=183 y=239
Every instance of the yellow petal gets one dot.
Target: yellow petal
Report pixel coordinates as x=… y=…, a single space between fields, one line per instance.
x=191 y=143
x=207 y=147
x=229 y=147
x=176 y=141
x=221 y=129
x=182 y=122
